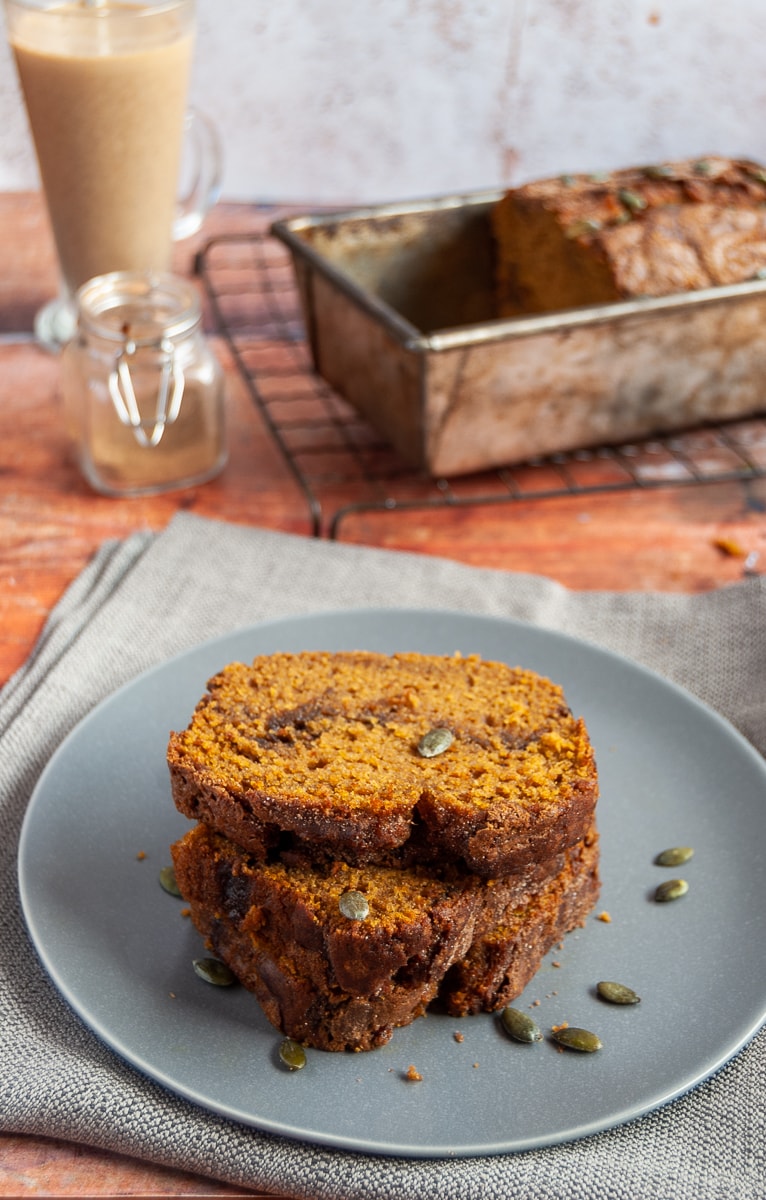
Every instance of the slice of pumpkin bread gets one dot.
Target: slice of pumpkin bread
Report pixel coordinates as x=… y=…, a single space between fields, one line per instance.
x=318 y=752
x=340 y=955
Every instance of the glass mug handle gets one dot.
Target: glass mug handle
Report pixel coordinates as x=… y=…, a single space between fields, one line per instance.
x=202 y=172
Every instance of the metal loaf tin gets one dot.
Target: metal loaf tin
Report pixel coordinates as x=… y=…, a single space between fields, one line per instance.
x=398 y=307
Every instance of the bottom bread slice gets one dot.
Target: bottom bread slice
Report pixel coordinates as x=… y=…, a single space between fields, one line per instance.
x=339 y=983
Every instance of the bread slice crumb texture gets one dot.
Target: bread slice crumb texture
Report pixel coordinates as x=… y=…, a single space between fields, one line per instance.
x=324 y=746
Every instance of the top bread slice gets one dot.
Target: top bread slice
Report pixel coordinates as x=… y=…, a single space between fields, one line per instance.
x=316 y=755
x=583 y=239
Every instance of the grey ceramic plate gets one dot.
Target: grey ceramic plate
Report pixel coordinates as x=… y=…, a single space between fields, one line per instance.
x=672 y=772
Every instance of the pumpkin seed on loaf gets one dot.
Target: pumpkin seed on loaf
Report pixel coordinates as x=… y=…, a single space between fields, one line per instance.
x=316 y=755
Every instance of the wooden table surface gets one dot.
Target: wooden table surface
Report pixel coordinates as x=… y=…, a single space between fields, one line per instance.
x=671 y=538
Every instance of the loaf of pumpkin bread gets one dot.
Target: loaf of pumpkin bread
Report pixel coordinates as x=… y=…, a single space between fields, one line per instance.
x=680 y=226
x=340 y=955
x=319 y=756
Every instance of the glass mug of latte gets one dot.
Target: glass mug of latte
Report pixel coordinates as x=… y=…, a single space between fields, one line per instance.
x=105 y=85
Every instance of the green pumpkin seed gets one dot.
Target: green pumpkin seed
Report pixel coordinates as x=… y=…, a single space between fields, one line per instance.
x=519 y=1025
x=616 y=993
x=671 y=889
x=674 y=856
x=658 y=172
x=292 y=1055
x=354 y=906
x=436 y=741
x=212 y=970
x=702 y=167
x=567 y=180
x=577 y=1039
x=632 y=201
x=168 y=881
x=582 y=228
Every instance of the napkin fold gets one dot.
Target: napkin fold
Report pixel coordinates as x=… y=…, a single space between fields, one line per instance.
x=151 y=596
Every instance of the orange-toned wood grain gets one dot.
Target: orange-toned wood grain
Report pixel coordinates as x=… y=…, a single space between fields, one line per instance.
x=665 y=540
x=51 y=523
x=48 y=1167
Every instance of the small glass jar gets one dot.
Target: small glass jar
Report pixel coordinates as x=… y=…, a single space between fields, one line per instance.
x=142 y=389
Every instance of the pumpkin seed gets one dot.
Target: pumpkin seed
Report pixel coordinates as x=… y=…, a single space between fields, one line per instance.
x=519 y=1025
x=758 y=174
x=658 y=172
x=616 y=993
x=292 y=1055
x=169 y=882
x=674 y=856
x=212 y=970
x=581 y=228
x=631 y=200
x=354 y=906
x=702 y=167
x=671 y=889
x=577 y=1039
x=436 y=741
x=567 y=180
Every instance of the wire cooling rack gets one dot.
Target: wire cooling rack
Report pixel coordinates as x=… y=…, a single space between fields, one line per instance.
x=341 y=463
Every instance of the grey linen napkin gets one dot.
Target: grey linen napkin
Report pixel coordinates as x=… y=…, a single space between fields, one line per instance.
x=152 y=596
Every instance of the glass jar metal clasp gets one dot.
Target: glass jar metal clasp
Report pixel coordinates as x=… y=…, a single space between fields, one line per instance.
x=170 y=390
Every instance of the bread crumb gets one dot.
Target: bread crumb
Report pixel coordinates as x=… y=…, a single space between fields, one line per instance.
x=475 y=1064
x=555 y=964
x=412 y=1075
x=535 y=1004
x=458 y=1036
x=172 y=995
x=185 y=912
x=557 y=1028
x=605 y=917
x=141 y=855
x=730 y=547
